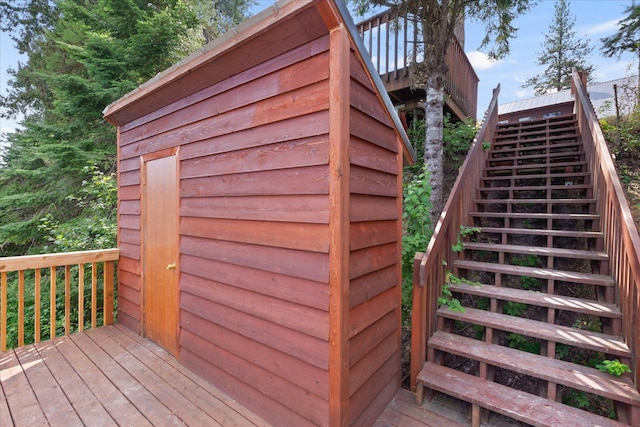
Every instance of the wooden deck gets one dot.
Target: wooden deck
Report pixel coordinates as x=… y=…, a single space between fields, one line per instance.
x=111 y=377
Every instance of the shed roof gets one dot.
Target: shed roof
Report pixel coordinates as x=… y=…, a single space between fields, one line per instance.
x=601 y=95
x=278 y=29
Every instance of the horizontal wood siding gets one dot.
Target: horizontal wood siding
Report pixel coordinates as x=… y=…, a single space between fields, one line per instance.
x=374 y=297
x=254 y=242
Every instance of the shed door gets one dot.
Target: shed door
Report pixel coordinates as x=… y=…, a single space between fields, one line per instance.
x=160 y=250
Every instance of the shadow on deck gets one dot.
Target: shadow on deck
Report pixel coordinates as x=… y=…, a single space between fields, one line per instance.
x=110 y=376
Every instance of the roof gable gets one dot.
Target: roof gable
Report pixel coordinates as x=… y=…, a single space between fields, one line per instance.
x=280 y=28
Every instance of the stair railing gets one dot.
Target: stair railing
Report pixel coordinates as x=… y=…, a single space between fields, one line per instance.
x=621 y=239
x=430 y=268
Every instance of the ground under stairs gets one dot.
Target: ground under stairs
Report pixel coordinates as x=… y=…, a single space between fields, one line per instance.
x=539 y=308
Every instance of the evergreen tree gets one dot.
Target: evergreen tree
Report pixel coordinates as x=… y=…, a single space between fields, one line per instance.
x=86 y=55
x=562 y=52
x=627 y=38
x=436 y=21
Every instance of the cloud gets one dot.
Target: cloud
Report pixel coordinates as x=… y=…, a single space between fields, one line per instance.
x=480 y=61
x=601 y=28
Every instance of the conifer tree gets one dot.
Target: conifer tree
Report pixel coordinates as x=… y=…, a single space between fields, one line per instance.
x=562 y=52
x=627 y=38
x=85 y=55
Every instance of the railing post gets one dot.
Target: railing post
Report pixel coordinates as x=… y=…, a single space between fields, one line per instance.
x=3 y=311
x=418 y=322
x=108 y=292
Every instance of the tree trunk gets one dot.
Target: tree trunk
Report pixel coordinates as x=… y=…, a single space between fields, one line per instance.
x=433 y=147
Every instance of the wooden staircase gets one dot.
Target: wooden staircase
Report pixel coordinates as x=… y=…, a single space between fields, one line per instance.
x=539 y=305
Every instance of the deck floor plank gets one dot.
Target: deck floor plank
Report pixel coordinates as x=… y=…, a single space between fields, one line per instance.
x=53 y=402
x=25 y=409
x=80 y=396
x=164 y=391
x=116 y=403
x=170 y=360
x=198 y=394
x=148 y=405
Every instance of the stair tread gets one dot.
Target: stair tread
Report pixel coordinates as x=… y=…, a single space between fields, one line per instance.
x=557 y=233
x=537 y=176
x=536 y=137
x=557 y=371
x=537 y=187
x=535 y=166
x=537 y=250
x=540 y=299
x=536 y=201
x=505 y=400
x=495 y=150
x=540 y=273
x=533 y=328
x=536 y=215
x=535 y=156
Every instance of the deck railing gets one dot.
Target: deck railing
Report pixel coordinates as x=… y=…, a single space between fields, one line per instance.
x=390 y=41
x=430 y=269
x=621 y=239
x=36 y=286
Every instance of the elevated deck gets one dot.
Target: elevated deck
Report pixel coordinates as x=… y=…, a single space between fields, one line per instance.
x=109 y=376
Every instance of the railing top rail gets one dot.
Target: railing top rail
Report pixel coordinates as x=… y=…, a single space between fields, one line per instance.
x=427 y=262
x=27 y=262
x=607 y=165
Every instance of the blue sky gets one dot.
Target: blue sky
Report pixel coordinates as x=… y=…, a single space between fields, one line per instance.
x=594 y=19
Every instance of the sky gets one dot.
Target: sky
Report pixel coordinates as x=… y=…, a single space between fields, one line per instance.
x=594 y=19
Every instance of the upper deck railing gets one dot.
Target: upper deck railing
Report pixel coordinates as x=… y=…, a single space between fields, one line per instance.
x=390 y=41
x=42 y=294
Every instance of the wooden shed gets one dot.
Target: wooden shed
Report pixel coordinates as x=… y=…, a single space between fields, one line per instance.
x=260 y=184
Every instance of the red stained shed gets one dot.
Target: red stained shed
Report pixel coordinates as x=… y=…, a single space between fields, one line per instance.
x=260 y=210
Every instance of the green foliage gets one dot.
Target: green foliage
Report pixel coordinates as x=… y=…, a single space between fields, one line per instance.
x=486 y=145
x=447 y=300
x=589 y=323
x=82 y=56
x=562 y=351
x=577 y=399
x=514 y=308
x=627 y=38
x=458 y=247
x=525 y=260
x=483 y=303
x=453 y=279
x=468 y=231
x=528 y=283
x=96 y=226
x=613 y=367
x=523 y=343
x=464 y=232
x=417 y=231
x=623 y=138
x=457 y=137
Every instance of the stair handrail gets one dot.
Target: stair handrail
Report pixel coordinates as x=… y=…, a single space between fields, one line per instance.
x=621 y=239
x=430 y=268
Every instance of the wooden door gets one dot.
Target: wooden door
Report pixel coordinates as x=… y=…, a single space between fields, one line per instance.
x=160 y=230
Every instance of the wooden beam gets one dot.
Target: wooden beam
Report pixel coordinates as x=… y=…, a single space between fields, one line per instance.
x=339 y=135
